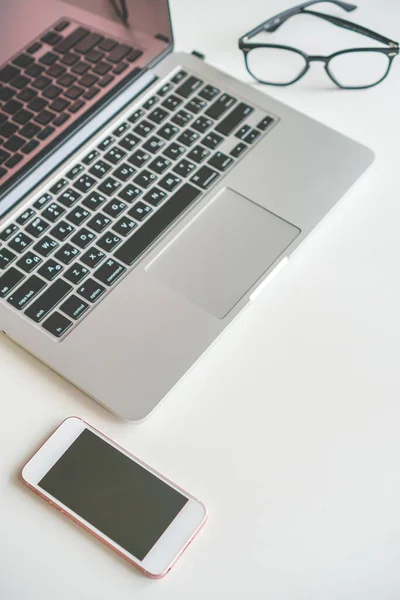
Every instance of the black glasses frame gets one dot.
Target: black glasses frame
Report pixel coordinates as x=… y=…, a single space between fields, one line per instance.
x=273 y=23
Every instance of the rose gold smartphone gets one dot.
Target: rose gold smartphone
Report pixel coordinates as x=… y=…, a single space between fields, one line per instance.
x=130 y=507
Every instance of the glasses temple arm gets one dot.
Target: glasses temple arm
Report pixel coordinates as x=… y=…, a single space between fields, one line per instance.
x=273 y=23
x=352 y=27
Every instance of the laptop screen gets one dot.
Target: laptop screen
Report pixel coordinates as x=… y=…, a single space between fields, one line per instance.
x=61 y=61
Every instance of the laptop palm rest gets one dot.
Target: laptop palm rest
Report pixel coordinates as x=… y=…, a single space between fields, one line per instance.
x=222 y=252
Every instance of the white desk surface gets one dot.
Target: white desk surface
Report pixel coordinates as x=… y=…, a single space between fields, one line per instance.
x=288 y=428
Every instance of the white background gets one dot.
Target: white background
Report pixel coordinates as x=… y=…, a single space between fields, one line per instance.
x=288 y=428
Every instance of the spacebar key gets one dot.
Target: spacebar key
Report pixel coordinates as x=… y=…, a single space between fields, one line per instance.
x=154 y=227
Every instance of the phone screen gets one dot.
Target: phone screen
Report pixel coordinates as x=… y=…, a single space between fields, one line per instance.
x=113 y=493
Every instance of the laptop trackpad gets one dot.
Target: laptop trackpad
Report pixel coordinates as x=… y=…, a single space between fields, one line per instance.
x=222 y=252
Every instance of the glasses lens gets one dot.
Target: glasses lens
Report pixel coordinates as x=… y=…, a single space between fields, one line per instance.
x=359 y=69
x=275 y=65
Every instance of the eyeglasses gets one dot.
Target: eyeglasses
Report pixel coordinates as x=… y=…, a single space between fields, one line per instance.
x=356 y=68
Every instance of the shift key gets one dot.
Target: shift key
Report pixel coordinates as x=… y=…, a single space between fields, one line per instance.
x=49 y=300
x=26 y=292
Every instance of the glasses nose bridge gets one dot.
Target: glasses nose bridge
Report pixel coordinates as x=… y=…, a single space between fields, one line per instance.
x=318 y=58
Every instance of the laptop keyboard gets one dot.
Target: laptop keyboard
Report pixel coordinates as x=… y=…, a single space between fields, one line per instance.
x=62 y=255
x=51 y=83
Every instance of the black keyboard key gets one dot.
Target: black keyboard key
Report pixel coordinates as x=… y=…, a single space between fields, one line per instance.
x=40 y=83
x=88 y=42
x=8 y=231
x=190 y=85
x=59 y=105
x=242 y=132
x=50 y=270
x=8 y=73
x=20 y=82
x=121 y=129
x=34 y=48
x=23 y=61
x=34 y=70
x=9 y=280
x=61 y=119
x=124 y=172
x=157 y=115
x=172 y=102
x=74 y=171
x=115 y=155
x=29 y=130
x=51 y=38
x=119 y=68
x=154 y=227
x=76 y=106
x=115 y=207
x=163 y=91
x=130 y=141
x=124 y=226
x=76 y=273
x=45 y=117
x=150 y=102
x=26 y=292
x=238 y=150
x=52 y=91
x=84 y=183
x=144 y=128
x=139 y=158
x=55 y=71
x=88 y=80
x=168 y=131
x=155 y=196
x=202 y=124
x=8 y=129
x=188 y=137
x=6 y=93
x=4 y=156
x=174 y=151
x=71 y=40
x=140 y=211
x=48 y=59
x=220 y=106
x=83 y=238
x=153 y=144
x=46 y=246
x=204 y=177
x=42 y=201
x=198 y=154
x=48 y=301
x=236 y=116
x=58 y=186
x=62 y=231
x=69 y=197
x=74 y=307
x=220 y=161
x=212 y=140
x=25 y=216
x=106 y=143
x=92 y=257
x=20 y=242
x=160 y=164
x=66 y=80
x=14 y=160
x=108 y=242
x=2 y=172
x=94 y=56
x=37 y=227
x=94 y=200
x=57 y=324
x=118 y=53
x=69 y=59
x=109 y=272
x=45 y=133
x=179 y=76
x=100 y=168
x=184 y=168
x=101 y=68
x=62 y=25
x=145 y=178
x=74 y=92
x=265 y=123
x=109 y=186
x=6 y=257
x=53 y=212
x=26 y=95
x=89 y=158
x=134 y=55
x=107 y=45
x=14 y=143
x=37 y=104
x=28 y=262
x=130 y=193
x=251 y=136
x=135 y=116
x=209 y=92
x=78 y=215
x=91 y=290
x=67 y=254
x=196 y=105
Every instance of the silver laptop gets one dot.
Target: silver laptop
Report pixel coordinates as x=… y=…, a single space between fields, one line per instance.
x=145 y=196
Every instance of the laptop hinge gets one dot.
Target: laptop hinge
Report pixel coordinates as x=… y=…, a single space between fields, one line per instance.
x=198 y=54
